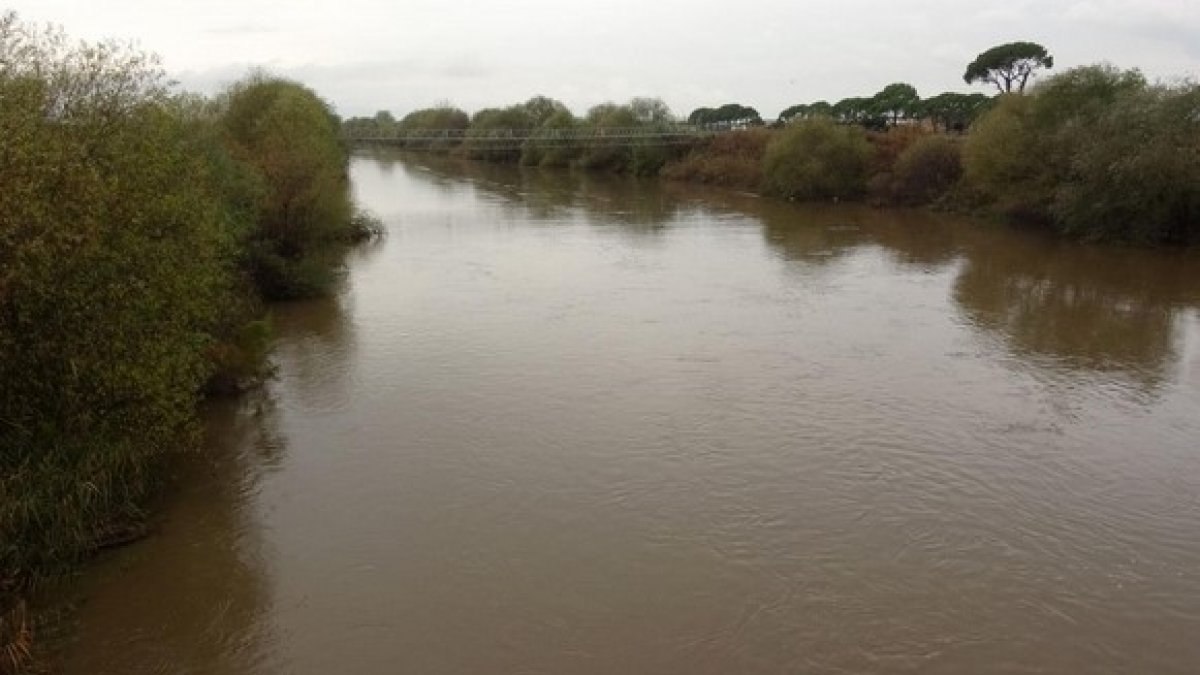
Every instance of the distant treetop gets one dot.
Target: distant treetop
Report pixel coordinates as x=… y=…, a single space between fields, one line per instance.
x=731 y=113
x=1009 y=65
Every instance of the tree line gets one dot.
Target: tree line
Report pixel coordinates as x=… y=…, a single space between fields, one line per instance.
x=895 y=104
x=1008 y=67
x=539 y=123
x=1094 y=152
x=141 y=231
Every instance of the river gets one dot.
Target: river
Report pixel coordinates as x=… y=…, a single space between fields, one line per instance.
x=577 y=424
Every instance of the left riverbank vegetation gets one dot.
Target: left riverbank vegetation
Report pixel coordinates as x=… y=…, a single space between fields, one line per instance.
x=1094 y=152
x=142 y=231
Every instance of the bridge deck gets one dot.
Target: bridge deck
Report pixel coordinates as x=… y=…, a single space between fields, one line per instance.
x=575 y=136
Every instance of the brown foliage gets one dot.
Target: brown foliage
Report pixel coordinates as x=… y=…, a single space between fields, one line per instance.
x=731 y=159
x=927 y=169
x=888 y=145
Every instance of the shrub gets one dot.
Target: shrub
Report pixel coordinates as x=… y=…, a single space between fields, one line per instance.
x=551 y=145
x=614 y=155
x=488 y=137
x=732 y=159
x=116 y=245
x=737 y=172
x=439 y=118
x=1001 y=160
x=927 y=169
x=1136 y=174
x=1095 y=153
x=887 y=146
x=817 y=159
x=287 y=137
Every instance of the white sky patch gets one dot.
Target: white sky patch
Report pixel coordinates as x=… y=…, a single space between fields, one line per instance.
x=367 y=55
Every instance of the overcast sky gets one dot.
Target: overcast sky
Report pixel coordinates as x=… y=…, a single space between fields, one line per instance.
x=399 y=55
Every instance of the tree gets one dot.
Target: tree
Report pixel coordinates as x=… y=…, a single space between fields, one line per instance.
x=650 y=110
x=805 y=111
x=895 y=101
x=114 y=269
x=700 y=116
x=955 y=111
x=514 y=117
x=550 y=144
x=288 y=137
x=820 y=109
x=730 y=114
x=853 y=110
x=1008 y=65
x=542 y=108
x=436 y=118
x=611 y=116
x=738 y=115
x=441 y=118
x=798 y=111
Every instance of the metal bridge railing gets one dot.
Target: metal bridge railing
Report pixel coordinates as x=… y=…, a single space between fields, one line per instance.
x=671 y=133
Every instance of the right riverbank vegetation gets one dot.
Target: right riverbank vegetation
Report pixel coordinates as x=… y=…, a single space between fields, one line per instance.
x=1095 y=152
x=142 y=231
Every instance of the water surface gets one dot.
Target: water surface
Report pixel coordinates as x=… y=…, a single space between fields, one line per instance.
x=561 y=424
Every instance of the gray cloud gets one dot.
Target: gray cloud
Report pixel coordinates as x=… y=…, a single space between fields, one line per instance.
x=366 y=55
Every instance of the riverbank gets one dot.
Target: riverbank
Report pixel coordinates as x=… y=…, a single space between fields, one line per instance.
x=142 y=233
x=577 y=422
x=1094 y=153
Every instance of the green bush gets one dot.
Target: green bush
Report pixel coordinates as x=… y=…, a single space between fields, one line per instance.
x=1135 y=174
x=494 y=134
x=443 y=117
x=817 y=159
x=1095 y=153
x=600 y=155
x=549 y=147
x=1000 y=159
x=287 y=138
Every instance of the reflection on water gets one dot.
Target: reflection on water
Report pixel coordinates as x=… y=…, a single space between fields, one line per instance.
x=638 y=205
x=1083 y=306
x=588 y=424
x=318 y=348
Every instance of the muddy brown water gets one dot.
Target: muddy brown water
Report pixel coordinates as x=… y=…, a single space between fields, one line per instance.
x=560 y=424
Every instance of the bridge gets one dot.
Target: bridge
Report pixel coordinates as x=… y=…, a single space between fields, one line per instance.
x=672 y=134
